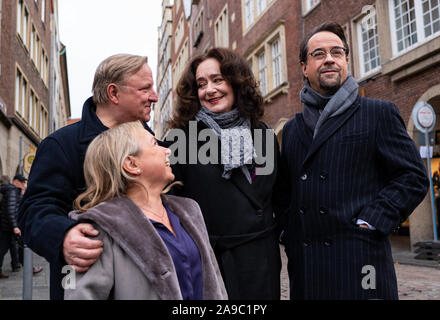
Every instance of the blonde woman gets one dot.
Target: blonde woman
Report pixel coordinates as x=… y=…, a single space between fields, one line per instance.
x=155 y=246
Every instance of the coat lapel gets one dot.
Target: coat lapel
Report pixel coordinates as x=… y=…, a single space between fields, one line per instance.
x=186 y=210
x=329 y=128
x=135 y=234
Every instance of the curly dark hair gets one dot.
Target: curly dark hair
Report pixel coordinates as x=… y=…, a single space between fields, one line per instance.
x=237 y=73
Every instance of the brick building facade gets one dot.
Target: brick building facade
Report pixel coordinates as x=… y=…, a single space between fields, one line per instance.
x=394 y=54
x=33 y=80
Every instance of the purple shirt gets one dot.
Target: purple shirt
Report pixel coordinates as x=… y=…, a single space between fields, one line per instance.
x=185 y=255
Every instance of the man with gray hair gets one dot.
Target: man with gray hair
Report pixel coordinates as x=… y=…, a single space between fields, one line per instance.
x=122 y=92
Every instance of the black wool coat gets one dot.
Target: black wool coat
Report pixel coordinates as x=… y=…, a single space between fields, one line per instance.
x=55 y=180
x=239 y=219
x=361 y=165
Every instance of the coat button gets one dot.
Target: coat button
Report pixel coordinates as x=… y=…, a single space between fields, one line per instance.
x=307 y=243
x=323 y=210
x=304 y=177
x=323 y=175
x=302 y=210
x=260 y=212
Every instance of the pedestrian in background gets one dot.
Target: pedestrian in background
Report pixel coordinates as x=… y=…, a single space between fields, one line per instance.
x=122 y=92
x=155 y=246
x=9 y=229
x=218 y=91
x=17 y=248
x=350 y=174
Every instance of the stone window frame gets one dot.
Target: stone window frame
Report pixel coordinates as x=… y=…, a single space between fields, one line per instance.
x=43 y=125
x=356 y=48
x=22 y=30
x=307 y=7
x=256 y=14
x=416 y=58
x=265 y=44
x=221 y=28
x=420 y=29
x=180 y=63
x=198 y=27
x=262 y=70
x=29 y=112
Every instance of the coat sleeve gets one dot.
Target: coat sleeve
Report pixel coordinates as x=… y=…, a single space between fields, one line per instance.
x=282 y=189
x=404 y=172
x=11 y=207
x=97 y=282
x=42 y=216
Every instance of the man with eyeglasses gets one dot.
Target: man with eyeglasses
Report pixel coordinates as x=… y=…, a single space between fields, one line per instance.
x=349 y=175
x=122 y=92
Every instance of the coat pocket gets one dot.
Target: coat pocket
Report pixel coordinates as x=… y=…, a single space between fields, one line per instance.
x=355 y=137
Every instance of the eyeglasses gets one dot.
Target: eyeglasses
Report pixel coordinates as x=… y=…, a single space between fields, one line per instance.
x=335 y=52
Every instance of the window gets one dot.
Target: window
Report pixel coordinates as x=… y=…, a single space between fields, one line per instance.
x=262 y=73
x=276 y=62
x=249 y=11
x=222 y=30
x=20 y=18
x=413 y=22
x=431 y=16
x=252 y=10
x=33 y=41
x=43 y=122
x=261 y=5
x=369 y=58
x=23 y=22
x=43 y=10
x=31 y=112
x=179 y=33
x=44 y=66
x=179 y=66
x=198 y=29
x=20 y=93
x=308 y=5
x=268 y=62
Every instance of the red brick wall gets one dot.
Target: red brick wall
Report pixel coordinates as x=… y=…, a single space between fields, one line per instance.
x=13 y=51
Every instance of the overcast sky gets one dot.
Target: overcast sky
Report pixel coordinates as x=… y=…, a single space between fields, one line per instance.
x=92 y=30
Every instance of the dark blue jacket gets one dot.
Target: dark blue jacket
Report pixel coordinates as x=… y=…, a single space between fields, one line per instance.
x=361 y=165
x=56 y=179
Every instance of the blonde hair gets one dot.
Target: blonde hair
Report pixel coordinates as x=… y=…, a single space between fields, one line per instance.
x=103 y=165
x=115 y=69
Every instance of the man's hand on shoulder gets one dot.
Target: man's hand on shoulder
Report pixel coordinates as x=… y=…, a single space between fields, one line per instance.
x=79 y=250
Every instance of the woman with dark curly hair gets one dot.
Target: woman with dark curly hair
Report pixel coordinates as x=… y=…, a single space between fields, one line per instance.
x=218 y=100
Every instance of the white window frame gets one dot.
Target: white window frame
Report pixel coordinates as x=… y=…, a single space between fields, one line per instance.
x=359 y=28
x=420 y=28
x=310 y=4
x=249 y=13
x=277 y=63
x=222 y=29
x=262 y=72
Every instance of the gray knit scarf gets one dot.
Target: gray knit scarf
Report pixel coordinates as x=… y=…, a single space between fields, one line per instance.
x=234 y=132
x=318 y=108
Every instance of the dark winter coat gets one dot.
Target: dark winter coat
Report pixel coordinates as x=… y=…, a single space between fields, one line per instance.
x=361 y=165
x=56 y=179
x=10 y=202
x=239 y=219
